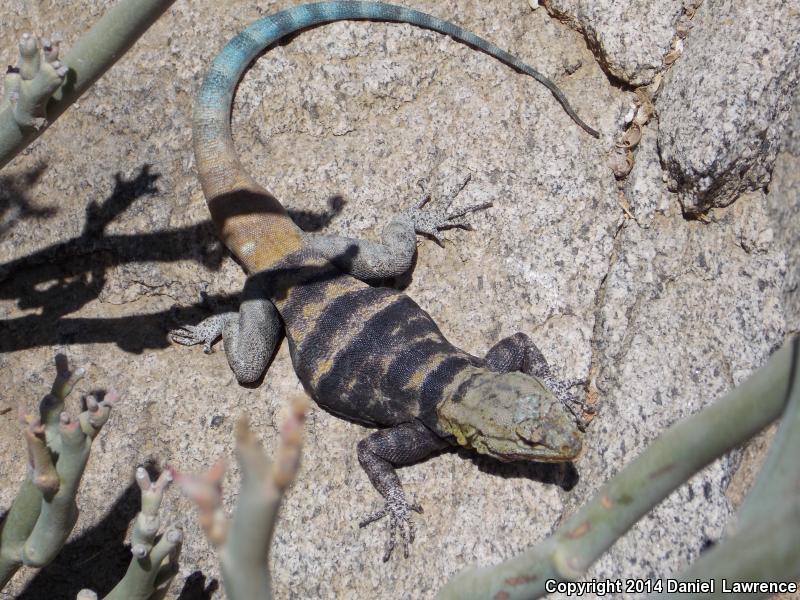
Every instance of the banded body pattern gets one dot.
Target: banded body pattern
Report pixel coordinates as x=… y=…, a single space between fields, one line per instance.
x=369 y=354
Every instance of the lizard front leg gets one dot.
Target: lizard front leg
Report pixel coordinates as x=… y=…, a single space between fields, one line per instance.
x=394 y=254
x=379 y=454
x=249 y=337
x=518 y=353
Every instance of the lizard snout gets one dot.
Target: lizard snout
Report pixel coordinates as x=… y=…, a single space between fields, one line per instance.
x=550 y=443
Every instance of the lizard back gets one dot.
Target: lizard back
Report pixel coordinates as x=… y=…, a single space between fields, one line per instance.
x=370 y=354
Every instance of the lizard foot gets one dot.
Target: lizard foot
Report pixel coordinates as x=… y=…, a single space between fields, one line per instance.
x=399 y=512
x=578 y=408
x=206 y=332
x=431 y=222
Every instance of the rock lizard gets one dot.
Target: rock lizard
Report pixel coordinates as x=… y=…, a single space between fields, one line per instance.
x=368 y=354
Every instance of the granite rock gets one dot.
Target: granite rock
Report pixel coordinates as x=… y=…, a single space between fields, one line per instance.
x=784 y=205
x=663 y=351
x=630 y=38
x=105 y=243
x=726 y=99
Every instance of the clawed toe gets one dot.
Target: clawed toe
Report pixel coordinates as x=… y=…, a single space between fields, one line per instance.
x=183 y=336
x=577 y=408
x=462 y=223
x=376 y=516
x=399 y=513
x=188 y=336
x=431 y=221
x=206 y=332
x=431 y=232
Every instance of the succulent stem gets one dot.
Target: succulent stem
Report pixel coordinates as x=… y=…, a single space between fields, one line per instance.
x=245 y=540
x=155 y=559
x=44 y=511
x=38 y=92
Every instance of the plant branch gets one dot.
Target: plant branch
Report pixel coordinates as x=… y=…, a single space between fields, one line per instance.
x=38 y=92
x=44 y=511
x=245 y=541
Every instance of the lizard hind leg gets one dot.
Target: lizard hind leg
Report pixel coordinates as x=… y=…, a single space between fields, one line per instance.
x=250 y=337
x=518 y=352
x=378 y=455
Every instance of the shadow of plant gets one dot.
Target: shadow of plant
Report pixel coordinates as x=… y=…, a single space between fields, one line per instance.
x=15 y=204
x=63 y=277
x=195 y=587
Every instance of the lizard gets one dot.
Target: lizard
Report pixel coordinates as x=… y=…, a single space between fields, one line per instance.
x=369 y=354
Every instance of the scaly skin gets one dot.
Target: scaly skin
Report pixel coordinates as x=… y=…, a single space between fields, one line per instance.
x=368 y=354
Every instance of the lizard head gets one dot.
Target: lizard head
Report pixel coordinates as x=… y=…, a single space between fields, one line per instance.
x=511 y=416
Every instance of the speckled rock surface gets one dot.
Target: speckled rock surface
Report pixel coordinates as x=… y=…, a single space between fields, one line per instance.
x=630 y=38
x=726 y=99
x=784 y=202
x=664 y=351
x=643 y=188
x=105 y=243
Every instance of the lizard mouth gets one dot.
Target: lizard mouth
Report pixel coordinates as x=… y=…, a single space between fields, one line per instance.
x=524 y=450
x=540 y=454
x=551 y=446
x=569 y=450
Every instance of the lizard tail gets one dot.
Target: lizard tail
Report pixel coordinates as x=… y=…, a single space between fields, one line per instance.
x=253 y=223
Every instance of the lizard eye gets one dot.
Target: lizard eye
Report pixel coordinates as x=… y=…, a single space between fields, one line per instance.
x=531 y=431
